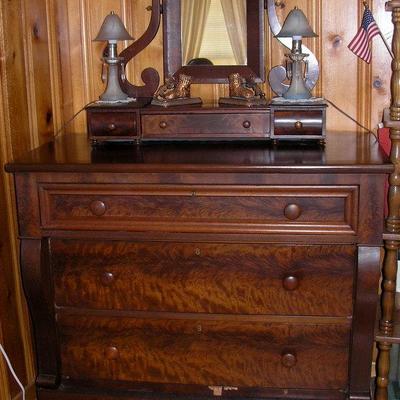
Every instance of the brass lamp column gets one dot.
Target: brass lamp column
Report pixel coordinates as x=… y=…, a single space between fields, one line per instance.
x=296 y=26
x=112 y=31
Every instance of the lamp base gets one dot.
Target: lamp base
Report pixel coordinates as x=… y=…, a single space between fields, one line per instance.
x=113 y=91
x=297 y=89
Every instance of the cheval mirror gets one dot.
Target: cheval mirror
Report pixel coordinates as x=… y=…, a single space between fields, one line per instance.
x=242 y=28
x=189 y=26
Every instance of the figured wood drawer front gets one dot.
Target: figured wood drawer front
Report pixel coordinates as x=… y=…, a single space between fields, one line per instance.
x=298 y=122
x=205 y=352
x=112 y=124
x=204 y=278
x=234 y=209
x=205 y=125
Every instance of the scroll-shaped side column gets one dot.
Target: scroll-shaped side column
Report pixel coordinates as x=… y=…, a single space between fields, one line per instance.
x=38 y=290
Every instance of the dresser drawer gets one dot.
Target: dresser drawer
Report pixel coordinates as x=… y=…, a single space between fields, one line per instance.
x=204 y=278
x=205 y=352
x=112 y=125
x=226 y=209
x=203 y=125
x=298 y=123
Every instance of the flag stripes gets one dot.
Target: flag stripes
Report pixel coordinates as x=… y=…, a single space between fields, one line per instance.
x=360 y=45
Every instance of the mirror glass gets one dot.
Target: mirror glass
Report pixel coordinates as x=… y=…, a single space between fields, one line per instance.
x=214 y=32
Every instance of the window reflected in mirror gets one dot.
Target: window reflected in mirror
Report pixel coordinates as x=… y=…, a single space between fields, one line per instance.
x=214 y=32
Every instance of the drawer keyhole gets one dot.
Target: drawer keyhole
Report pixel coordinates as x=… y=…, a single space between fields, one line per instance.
x=98 y=208
x=292 y=211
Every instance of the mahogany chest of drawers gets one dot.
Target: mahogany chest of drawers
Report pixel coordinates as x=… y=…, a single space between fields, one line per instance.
x=179 y=271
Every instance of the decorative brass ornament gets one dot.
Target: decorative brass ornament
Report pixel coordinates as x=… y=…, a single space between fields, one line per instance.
x=175 y=92
x=243 y=92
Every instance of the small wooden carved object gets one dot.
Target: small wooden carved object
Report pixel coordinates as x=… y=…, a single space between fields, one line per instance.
x=243 y=92
x=175 y=92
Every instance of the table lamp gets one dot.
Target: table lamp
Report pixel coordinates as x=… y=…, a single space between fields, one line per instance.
x=296 y=26
x=112 y=31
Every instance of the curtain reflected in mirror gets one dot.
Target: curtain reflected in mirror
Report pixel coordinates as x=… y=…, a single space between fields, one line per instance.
x=214 y=32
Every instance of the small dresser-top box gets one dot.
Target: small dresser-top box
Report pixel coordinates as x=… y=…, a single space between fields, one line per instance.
x=114 y=122
x=298 y=121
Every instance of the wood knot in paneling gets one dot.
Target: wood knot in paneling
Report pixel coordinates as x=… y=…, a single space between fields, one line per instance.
x=36 y=30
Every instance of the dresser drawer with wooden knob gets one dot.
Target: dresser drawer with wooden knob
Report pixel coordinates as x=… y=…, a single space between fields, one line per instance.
x=250 y=352
x=204 y=278
x=205 y=125
x=224 y=209
x=112 y=125
x=291 y=122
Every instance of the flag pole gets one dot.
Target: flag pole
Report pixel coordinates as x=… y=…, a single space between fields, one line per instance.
x=381 y=34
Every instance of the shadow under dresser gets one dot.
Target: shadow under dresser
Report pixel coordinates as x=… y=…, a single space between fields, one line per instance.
x=202 y=270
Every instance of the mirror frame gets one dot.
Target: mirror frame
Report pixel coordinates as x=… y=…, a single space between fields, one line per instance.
x=218 y=73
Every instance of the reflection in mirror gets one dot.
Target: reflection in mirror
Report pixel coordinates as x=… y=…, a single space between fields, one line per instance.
x=214 y=32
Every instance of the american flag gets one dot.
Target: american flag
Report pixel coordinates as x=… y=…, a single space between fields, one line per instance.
x=360 y=45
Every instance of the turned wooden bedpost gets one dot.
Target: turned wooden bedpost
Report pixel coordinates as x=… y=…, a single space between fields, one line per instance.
x=391 y=237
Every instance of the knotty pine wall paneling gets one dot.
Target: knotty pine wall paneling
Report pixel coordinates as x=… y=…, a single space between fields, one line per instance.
x=361 y=90
x=30 y=109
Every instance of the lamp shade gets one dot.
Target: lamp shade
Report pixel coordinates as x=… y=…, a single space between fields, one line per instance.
x=113 y=29
x=296 y=24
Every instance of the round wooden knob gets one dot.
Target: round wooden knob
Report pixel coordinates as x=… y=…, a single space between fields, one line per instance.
x=246 y=124
x=289 y=360
x=290 y=283
x=98 y=208
x=298 y=125
x=163 y=124
x=111 y=353
x=112 y=127
x=292 y=211
x=107 y=278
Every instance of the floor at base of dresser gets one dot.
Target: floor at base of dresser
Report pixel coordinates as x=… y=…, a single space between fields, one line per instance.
x=75 y=393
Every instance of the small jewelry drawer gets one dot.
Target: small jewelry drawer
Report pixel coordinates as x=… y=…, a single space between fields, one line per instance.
x=118 y=124
x=298 y=123
x=170 y=126
x=244 y=353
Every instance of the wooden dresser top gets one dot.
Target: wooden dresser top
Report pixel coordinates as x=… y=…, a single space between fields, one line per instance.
x=344 y=152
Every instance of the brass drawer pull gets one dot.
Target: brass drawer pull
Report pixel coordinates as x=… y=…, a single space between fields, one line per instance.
x=292 y=211
x=107 y=278
x=289 y=360
x=98 y=208
x=246 y=124
x=112 y=127
x=111 y=353
x=163 y=124
x=290 y=283
x=298 y=125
